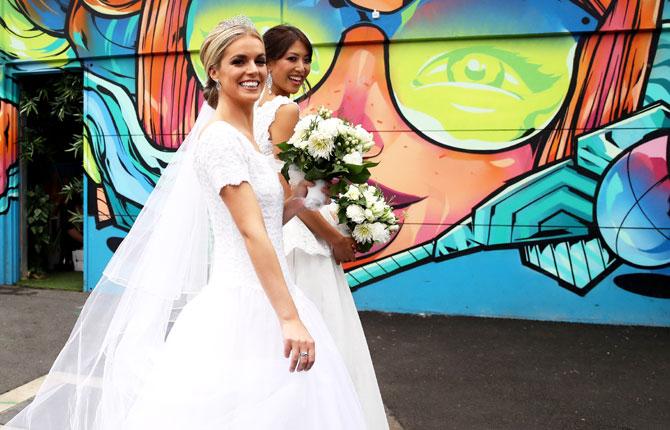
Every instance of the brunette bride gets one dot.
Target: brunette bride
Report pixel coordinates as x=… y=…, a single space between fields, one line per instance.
x=313 y=244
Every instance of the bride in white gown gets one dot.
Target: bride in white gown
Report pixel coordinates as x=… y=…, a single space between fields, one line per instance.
x=240 y=353
x=313 y=244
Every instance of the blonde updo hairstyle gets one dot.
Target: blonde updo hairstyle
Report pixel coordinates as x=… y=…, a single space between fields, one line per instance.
x=213 y=48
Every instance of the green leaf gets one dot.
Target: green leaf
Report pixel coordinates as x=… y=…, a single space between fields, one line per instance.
x=338 y=188
x=285 y=146
x=355 y=168
x=359 y=178
x=342 y=217
x=364 y=247
x=284 y=171
x=314 y=173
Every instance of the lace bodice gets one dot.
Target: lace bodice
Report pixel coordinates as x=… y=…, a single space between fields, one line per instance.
x=264 y=116
x=296 y=233
x=224 y=156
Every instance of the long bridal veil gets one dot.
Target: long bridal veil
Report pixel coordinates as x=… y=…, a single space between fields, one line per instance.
x=162 y=262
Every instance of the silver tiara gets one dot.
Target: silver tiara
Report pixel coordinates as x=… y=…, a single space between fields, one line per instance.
x=239 y=20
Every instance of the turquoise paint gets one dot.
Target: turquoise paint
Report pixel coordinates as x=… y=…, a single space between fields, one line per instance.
x=493 y=284
x=10 y=252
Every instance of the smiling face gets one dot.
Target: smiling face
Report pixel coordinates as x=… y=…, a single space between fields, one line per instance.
x=242 y=71
x=290 y=71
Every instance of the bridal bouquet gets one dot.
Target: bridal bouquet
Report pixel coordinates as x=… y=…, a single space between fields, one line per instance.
x=323 y=148
x=366 y=214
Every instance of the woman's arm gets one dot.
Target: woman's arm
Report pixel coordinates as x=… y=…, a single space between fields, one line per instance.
x=281 y=130
x=246 y=212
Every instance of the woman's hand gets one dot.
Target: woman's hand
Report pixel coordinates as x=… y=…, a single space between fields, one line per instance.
x=298 y=345
x=344 y=249
x=300 y=190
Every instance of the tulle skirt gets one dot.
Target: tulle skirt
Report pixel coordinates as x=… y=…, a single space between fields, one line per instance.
x=324 y=283
x=223 y=368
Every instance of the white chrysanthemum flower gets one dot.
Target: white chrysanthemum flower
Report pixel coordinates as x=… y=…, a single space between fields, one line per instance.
x=356 y=213
x=362 y=233
x=380 y=232
x=330 y=127
x=354 y=158
x=394 y=227
x=320 y=145
x=352 y=193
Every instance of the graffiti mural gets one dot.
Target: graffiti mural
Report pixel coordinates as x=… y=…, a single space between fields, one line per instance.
x=525 y=142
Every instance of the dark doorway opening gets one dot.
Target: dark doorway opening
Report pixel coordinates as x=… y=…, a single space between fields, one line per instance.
x=51 y=150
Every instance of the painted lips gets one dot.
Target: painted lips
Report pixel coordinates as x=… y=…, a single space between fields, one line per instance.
x=398 y=201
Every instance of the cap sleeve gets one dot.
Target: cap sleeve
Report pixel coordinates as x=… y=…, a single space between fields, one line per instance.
x=221 y=159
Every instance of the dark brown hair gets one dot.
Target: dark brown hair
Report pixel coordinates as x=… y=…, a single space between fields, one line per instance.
x=280 y=38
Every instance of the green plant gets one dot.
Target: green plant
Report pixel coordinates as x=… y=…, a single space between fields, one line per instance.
x=76 y=145
x=72 y=189
x=76 y=218
x=54 y=103
x=62 y=102
x=39 y=208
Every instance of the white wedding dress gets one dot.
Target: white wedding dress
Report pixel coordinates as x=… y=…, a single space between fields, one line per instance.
x=222 y=366
x=316 y=273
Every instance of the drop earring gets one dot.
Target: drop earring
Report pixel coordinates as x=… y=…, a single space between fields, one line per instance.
x=268 y=83
x=218 y=84
x=304 y=88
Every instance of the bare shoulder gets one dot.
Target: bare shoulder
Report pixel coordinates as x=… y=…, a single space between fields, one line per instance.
x=289 y=113
x=284 y=123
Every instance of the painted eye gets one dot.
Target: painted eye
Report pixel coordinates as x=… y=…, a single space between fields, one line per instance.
x=487 y=67
x=481 y=95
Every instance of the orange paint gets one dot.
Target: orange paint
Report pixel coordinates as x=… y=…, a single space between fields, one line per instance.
x=357 y=90
x=9 y=119
x=167 y=90
x=114 y=7
x=380 y=5
x=611 y=72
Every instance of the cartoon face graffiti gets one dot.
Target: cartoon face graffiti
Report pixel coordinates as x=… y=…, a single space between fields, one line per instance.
x=462 y=98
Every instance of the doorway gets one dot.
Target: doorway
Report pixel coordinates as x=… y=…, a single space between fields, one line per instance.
x=51 y=169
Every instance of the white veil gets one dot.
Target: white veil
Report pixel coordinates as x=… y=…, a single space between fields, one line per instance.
x=162 y=262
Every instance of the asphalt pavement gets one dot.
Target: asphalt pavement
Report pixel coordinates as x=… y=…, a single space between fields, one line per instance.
x=437 y=372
